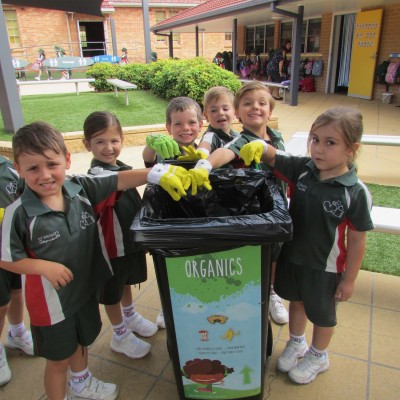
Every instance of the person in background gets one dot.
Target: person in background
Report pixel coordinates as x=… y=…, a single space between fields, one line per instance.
x=40 y=64
x=103 y=136
x=60 y=52
x=124 y=56
x=11 y=297
x=277 y=67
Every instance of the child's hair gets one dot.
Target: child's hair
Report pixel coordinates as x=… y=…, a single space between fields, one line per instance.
x=347 y=120
x=98 y=122
x=216 y=93
x=250 y=87
x=182 y=104
x=36 y=138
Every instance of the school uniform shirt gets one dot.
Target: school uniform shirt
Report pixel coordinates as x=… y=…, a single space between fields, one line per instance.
x=32 y=230
x=217 y=138
x=10 y=184
x=115 y=221
x=275 y=140
x=321 y=212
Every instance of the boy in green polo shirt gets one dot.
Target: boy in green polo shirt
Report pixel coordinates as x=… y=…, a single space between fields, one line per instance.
x=50 y=235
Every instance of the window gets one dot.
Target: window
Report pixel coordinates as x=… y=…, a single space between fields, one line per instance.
x=228 y=36
x=310 y=34
x=160 y=16
x=10 y=16
x=175 y=36
x=260 y=38
x=82 y=34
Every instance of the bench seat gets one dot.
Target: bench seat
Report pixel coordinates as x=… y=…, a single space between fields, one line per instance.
x=120 y=84
x=57 y=81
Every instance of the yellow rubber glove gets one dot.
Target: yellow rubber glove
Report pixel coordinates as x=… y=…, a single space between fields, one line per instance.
x=199 y=176
x=182 y=174
x=193 y=154
x=163 y=145
x=171 y=183
x=253 y=151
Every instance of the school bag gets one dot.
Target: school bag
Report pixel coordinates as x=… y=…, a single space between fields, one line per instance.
x=381 y=70
x=308 y=67
x=307 y=84
x=317 y=67
x=391 y=72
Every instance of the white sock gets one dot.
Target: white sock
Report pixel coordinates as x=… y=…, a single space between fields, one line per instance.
x=272 y=291
x=120 y=330
x=298 y=339
x=128 y=312
x=16 y=330
x=79 y=380
x=320 y=354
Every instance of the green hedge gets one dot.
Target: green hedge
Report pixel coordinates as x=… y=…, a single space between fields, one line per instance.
x=167 y=78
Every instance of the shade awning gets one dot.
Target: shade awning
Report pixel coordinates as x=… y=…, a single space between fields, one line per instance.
x=91 y=7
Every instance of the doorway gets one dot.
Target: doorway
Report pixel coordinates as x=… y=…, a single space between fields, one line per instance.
x=343 y=29
x=92 y=38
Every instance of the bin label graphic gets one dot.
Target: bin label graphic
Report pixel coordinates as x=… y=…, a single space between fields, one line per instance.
x=216 y=307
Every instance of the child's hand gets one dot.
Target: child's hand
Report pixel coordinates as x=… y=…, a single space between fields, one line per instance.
x=253 y=151
x=344 y=290
x=193 y=154
x=58 y=275
x=163 y=145
x=161 y=175
x=199 y=176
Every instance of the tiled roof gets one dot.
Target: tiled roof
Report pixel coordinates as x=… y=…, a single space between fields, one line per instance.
x=207 y=7
x=166 y=2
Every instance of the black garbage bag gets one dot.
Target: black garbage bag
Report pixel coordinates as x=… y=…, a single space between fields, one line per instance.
x=244 y=207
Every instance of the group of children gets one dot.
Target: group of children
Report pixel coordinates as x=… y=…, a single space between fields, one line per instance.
x=90 y=216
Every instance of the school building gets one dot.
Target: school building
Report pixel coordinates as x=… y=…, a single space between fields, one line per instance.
x=351 y=38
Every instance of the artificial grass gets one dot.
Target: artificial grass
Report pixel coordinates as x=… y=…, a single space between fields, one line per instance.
x=382 y=249
x=68 y=111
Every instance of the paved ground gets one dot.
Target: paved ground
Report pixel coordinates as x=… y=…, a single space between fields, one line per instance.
x=365 y=362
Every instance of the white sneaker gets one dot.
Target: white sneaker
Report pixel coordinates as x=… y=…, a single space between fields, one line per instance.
x=141 y=326
x=95 y=390
x=23 y=342
x=130 y=345
x=291 y=353
x=37 y=78
x=277 y=310
x=5 y=372
x=160 y=320
x=308 y=368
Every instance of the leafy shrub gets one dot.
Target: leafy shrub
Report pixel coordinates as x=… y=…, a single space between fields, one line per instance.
x=101 y=72
x=167 y=78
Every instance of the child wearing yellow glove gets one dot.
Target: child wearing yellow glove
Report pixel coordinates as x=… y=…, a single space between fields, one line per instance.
x=184 y=121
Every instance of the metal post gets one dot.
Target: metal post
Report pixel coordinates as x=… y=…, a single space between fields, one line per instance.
x=234 y=46
x=296 y=50
x=10 y=102
x=146 y=30
x=171 y=45
x=113 y=37
x=197 y=41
